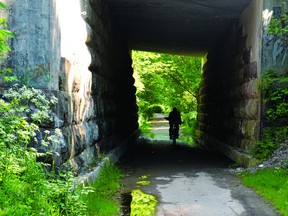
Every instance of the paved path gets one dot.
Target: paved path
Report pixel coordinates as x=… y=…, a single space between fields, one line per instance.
x=190 y=182
x=160 y=127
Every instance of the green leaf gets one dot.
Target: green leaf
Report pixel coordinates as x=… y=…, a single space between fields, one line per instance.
x=3 y=6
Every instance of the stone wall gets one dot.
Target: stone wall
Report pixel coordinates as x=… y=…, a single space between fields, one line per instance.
x=70 y=49
x=229 y=99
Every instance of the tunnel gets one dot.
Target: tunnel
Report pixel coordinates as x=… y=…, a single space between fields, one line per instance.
x=83 y=48
x=224 y=34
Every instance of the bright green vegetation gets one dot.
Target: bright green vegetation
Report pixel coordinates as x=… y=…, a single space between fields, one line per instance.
x=278 y=26
x=101 y=199
x=272 y=184
x=142 y=204
x=5 y=34
x=275 y=90
x=26 y=186
x=165 y=81
x=274 y=87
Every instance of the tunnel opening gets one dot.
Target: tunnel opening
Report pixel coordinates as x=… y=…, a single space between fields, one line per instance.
x=164 y=81
x=229 y=101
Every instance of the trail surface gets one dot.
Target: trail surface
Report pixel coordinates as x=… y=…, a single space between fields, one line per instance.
x=190 y=182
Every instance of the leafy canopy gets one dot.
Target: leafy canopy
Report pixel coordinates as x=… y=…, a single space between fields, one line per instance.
x=165 y=81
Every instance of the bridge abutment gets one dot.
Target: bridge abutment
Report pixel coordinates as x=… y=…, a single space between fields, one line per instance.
x=229 y=98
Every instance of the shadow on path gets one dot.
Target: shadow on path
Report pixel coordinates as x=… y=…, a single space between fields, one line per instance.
x=163 y=153
x=189 y=181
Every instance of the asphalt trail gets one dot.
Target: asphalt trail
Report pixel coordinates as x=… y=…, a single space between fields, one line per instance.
x=189 y=181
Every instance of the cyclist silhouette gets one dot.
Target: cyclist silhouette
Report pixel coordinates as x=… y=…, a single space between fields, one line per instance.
x=174 y=118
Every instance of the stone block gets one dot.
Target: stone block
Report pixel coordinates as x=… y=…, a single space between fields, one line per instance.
x=77 y=163
x=83 y=108
x=89 y=157
x=247 y=109
x=247 y=145
x=62 y=110
x=65 y=67
x=251 y=129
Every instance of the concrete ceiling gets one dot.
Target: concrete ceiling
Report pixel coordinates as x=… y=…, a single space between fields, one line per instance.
x=175 y=26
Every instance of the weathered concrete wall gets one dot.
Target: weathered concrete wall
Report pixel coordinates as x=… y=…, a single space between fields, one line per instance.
x=70 y=48
x=228 y=110
x=275 y=51
x=35 y=50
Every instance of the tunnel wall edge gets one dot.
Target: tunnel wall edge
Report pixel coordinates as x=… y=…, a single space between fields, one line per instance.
x=229 y=117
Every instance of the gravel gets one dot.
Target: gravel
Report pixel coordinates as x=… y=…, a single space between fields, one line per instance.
x=279 y=159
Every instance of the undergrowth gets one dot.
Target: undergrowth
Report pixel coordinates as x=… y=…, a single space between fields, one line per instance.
x=26 y=187
x=101 y=201
x=274 y=87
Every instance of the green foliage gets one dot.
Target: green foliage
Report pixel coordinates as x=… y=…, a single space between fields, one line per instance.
x=166 y=81
x=272 y=184
x=275 y=89
x=5 y=34
x=278 y=26
x=275 y=93
x=25 y=188
x=100 y=200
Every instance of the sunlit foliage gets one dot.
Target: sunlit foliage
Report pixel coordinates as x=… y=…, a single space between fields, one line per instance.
x=165 y=81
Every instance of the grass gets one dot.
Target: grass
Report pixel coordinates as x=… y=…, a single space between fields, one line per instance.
x=101 y=201
x=272 y=184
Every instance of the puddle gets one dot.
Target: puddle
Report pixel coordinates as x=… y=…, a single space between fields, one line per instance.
x=126 y=199
x=143 y=180
x=137 y=202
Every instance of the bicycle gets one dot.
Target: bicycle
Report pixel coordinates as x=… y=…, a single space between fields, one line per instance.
x=174 y=133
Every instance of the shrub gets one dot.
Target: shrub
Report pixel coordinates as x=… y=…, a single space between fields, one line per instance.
x=275 y=91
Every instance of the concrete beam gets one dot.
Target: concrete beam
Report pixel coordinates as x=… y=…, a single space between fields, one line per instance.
x=175 y=25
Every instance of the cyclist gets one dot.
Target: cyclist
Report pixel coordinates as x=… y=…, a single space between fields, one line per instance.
x=174 y=118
